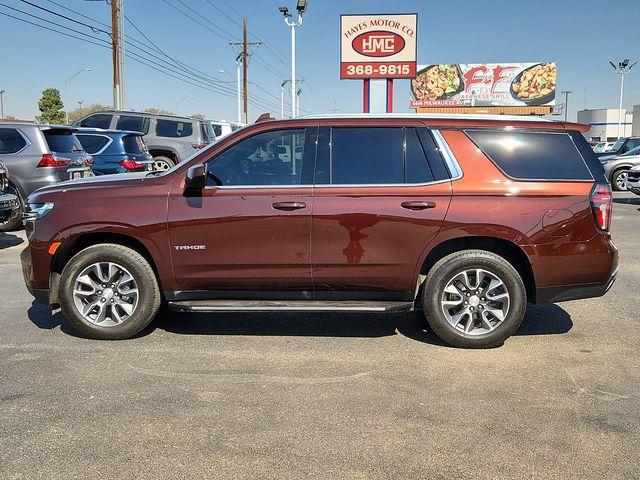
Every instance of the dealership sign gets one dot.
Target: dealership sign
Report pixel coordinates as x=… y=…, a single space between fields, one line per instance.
x=484 y=85
x=378 y=46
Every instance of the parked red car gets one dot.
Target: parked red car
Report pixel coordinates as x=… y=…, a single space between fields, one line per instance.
x=468 y=217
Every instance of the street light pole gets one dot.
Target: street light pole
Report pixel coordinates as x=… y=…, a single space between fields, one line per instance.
x=2 y=104
x=282 y=85
x=300 y=7
x=622 y=68
x=566 y=103
x=298 y=93
x=66 y=99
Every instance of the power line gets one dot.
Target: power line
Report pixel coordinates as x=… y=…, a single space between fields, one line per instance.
x=196 y=20
x=257 y=101
x=94 y=29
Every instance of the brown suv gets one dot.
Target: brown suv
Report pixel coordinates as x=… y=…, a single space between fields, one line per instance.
x=468 y=217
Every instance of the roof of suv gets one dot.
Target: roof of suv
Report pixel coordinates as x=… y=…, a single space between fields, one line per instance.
x=107 y=130
x=146 y=113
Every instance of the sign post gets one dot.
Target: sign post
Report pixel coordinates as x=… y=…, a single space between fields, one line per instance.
x=378 y=49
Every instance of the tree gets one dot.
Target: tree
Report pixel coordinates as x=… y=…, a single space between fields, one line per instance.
x=158 y=111
x=198 y=116
x=79 y=113
x=51 y=106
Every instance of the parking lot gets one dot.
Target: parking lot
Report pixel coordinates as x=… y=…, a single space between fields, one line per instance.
x=324 y=395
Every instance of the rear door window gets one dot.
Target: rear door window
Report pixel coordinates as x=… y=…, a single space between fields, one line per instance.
x=133 y=123
x=532 y=155
x=11 y=141
x=173 y=128
x=99 y=120
x=93 y=143
x=366 y=156
x=62 y=141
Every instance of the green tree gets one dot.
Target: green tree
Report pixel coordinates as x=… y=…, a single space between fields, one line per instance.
x=79 y=113
x=198 y=116
x=158 y=111
x=51 y=106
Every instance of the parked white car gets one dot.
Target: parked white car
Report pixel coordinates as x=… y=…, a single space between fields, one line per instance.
x=601 y=147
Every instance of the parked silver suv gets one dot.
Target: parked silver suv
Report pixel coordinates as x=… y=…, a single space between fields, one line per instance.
x=36 y=156
x=170 y=139
x=616 y=168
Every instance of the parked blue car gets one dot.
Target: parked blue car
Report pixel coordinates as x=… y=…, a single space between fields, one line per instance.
x=115 y=151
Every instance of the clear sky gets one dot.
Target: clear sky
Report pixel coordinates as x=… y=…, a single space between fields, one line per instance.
x=581 y=36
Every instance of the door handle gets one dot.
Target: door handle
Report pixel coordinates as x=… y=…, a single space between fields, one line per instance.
x=418 y=205
x=288 y=206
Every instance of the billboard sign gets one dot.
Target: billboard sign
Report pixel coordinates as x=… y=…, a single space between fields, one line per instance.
x=378 y=46
x=484 y=85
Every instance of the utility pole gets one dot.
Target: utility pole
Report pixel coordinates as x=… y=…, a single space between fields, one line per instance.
x=244 y=57
x=121 y=54
x=2 y=104
x=566 y=103
x=244 y=71
x=115 y=55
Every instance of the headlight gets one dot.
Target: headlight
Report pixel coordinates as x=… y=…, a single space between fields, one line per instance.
x=36 y=211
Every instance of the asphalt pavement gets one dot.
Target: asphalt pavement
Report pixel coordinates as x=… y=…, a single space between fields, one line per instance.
x=348 y=396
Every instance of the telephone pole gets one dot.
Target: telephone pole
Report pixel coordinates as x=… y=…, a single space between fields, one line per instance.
x=122 y=54
x=243 y=57
x=115 y=55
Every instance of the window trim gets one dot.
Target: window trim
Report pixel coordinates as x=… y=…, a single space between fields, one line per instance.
x=533 y=130
x=24 y=137
x=106 y=145
x=450 y=160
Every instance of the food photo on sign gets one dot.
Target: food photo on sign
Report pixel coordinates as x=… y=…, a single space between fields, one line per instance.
x=497 y=84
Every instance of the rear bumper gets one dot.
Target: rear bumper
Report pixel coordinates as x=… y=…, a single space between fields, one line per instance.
x=564 y=293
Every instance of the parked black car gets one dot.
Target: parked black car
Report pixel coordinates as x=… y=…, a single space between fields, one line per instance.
x=8 y=202
x=115 y=151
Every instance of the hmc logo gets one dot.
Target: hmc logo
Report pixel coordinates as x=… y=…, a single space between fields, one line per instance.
x=378 y=43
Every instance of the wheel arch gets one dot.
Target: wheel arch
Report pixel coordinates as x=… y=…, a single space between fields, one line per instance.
x=74 y=245
x=508 y=250
x=164 y=152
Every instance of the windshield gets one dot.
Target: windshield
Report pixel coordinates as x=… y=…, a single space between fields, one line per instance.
x=618 y=145
x=62 y=141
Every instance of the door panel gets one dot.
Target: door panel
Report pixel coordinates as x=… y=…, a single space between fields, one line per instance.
x=250 y=229
x=249 y=244
x=363 y=239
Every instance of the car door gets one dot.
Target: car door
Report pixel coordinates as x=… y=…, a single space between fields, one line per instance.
x=378 y=202
x=250 y=228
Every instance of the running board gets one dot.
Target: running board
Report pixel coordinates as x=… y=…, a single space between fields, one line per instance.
x=288 y=305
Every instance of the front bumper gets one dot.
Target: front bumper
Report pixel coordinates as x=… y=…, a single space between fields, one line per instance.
x=8 y=205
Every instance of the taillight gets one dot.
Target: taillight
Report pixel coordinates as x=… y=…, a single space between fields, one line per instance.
x=132 y=164
x=601 y=205
x=198 y=146
x=49 y=160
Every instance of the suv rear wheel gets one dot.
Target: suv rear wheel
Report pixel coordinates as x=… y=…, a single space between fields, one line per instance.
x=109 y=291
x=161 y=164
x=474 y=299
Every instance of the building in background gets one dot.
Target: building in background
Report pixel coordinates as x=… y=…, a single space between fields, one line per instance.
x=604 y=123
x=635 y=128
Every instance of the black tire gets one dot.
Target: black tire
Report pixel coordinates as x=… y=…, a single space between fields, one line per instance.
x=145 y=280
x=450 y=266
x=618 y=176
x=163 y=163
x=15 y=221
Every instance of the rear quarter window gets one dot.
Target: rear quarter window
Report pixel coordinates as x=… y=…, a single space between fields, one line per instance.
x=92 y=143
x=11 y=141
x=533 y=155
x=173 y=128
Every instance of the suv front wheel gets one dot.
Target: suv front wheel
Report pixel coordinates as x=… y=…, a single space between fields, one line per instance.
x=474 y=299
x=109 y=291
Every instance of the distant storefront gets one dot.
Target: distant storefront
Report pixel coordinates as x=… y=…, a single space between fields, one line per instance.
x=604 y=123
